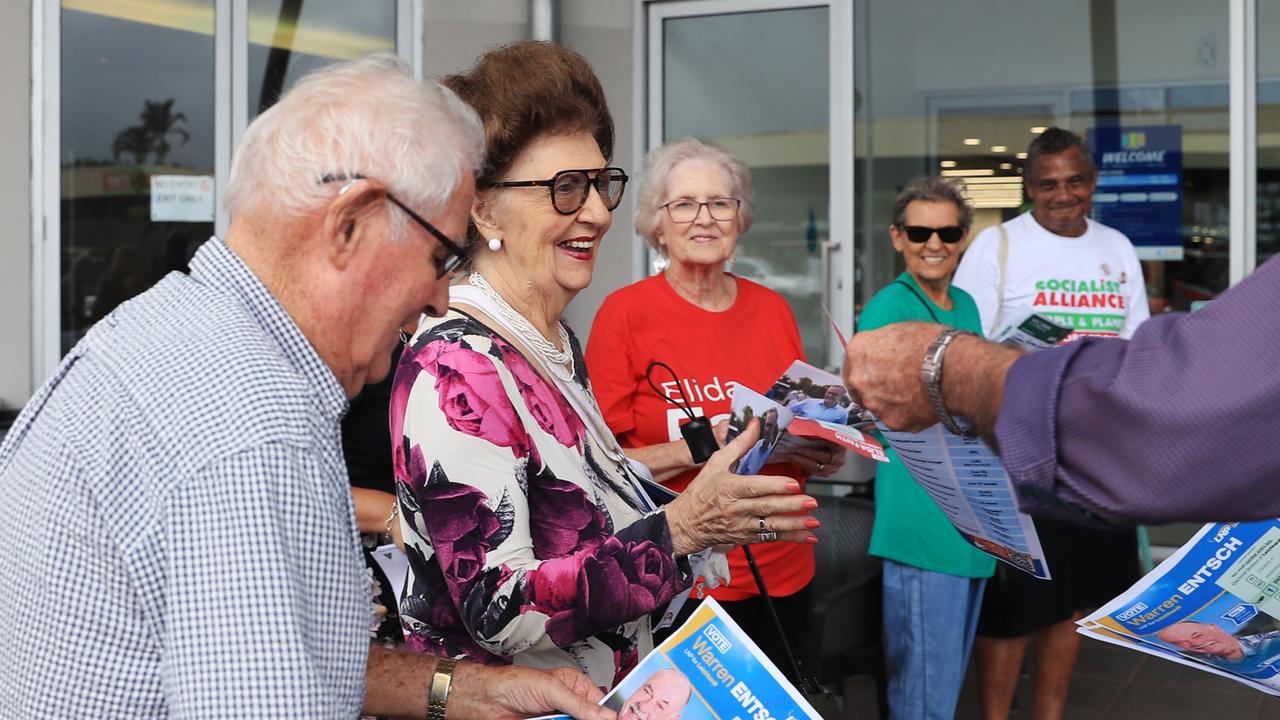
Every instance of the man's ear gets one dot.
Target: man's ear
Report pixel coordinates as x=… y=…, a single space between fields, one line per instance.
x=347 y=219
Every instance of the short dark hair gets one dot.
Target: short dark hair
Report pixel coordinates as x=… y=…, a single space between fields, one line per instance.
x=528 y=89
x=1055 y=141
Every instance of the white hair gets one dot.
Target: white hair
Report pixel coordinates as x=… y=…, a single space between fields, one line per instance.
x=662 y=160
x=369 y=117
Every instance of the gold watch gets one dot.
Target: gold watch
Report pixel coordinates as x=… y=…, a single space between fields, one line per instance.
x=440 y=683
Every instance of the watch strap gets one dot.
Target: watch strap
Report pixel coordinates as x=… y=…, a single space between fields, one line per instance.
x=931 y=376
x=440 y=684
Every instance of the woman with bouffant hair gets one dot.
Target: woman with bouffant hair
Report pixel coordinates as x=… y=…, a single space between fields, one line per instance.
x=530 y=537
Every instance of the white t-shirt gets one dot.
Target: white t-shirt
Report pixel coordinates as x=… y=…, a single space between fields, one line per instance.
x=1092 y=283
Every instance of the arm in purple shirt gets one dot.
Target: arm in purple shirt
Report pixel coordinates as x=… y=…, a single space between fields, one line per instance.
x=1180 y=423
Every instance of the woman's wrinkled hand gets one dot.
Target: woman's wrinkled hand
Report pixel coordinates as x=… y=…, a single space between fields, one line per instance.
x=722 y=507
x=721 y=431
x=815 y=456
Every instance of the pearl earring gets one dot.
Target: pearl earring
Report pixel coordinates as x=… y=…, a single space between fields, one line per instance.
x=660 y=262
x=495 y=244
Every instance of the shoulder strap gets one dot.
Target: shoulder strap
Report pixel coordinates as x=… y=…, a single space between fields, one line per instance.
x=920 y=297
x=1004 y=264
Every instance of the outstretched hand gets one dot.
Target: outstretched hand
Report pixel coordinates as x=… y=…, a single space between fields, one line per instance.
x=882 y=372
x=815 y=456
x=721 y=507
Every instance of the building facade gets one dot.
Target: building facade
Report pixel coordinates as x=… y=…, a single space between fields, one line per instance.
x=122 y=115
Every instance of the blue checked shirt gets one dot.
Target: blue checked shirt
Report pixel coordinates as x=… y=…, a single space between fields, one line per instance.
x=176 y=530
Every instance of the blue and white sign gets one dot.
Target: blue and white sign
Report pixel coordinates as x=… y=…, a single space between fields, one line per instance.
x=1139 y=188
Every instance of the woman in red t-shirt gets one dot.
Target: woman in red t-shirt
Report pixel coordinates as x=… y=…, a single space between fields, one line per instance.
x=717 y=331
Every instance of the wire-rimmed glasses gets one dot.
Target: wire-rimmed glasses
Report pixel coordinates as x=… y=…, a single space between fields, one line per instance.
x=683 y=210
x=443 y=266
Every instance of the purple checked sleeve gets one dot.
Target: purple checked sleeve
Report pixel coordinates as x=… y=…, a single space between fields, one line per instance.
x=1180 y=423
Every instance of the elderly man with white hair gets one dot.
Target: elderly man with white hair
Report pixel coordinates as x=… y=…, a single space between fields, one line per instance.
x=177 y=528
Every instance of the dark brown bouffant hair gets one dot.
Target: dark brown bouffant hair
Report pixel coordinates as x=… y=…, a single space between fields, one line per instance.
x=528 y=89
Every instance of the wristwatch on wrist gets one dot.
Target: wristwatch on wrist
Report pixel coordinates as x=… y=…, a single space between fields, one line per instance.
x=931 y=374
x=440 y=683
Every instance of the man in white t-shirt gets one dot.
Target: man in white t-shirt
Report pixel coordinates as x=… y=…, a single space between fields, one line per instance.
x=1056 y=262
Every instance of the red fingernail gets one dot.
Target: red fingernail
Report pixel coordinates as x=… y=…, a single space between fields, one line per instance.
x=813 y=523
x=812 y=540
x=793 y=486
x=810 y=504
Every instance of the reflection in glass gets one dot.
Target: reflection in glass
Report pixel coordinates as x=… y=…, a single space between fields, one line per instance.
x=137 y=101
x=765 y=101
x=287 y=38
x=930 y=103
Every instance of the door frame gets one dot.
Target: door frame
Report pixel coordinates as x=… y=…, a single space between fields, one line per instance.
x=838 y=285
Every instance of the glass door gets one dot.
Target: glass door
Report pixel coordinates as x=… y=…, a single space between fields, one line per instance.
x=137 y=151
x=147 y=105
x=755 y=77
x=288 y=38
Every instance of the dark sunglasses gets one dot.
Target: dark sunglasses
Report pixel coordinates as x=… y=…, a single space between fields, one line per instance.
x=950 y=234
x=456 y=253
x=569 y=188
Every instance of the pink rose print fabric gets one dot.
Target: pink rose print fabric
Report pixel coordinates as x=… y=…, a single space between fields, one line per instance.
x=521 y=546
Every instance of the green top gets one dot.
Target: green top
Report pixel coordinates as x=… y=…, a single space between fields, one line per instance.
x=909 y=527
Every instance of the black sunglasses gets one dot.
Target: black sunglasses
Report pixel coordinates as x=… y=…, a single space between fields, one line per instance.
x=950 y=234
x=569 y=188
x=456 y=253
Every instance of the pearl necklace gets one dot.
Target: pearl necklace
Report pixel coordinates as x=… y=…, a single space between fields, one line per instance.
x=557 y=361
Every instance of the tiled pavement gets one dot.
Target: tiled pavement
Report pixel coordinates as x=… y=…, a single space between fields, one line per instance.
x=1113 y=683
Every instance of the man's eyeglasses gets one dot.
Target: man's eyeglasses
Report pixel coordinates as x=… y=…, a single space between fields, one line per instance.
x=686 y=211
x=569 y=188
x=444 y=266
x=950 y=234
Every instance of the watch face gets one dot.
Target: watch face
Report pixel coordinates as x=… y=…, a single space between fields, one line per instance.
x=930 y=373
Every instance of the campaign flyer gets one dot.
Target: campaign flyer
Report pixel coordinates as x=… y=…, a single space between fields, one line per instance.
x=707 y=670
x=968 y=482
x=1032 y=331
x=803 y=402
x=774 y=420
x=1213 y=605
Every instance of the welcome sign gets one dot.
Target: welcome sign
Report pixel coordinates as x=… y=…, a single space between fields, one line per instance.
x=1139 y=188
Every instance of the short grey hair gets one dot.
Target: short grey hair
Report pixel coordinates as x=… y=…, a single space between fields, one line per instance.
x=367 y=117
x=659 y=164
x=932 y=189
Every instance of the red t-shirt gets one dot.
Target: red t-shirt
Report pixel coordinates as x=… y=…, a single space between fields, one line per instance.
x=751 y=343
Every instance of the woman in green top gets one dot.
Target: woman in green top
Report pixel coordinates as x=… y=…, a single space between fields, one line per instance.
x=933 y=578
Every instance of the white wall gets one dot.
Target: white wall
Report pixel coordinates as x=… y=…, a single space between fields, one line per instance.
x=459 y=31
x=15 y=203
x=601 y=31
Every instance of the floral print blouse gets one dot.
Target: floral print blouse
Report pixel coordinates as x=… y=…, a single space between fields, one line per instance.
x=526 y=543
